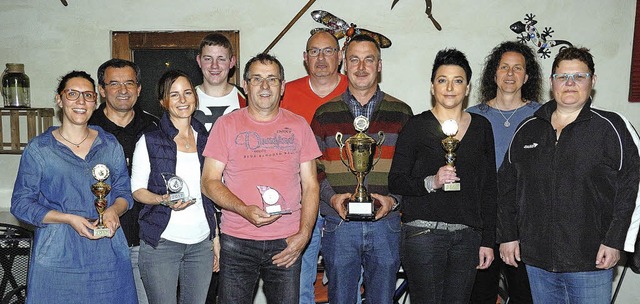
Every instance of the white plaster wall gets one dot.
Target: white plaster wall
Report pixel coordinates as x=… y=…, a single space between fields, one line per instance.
x=51 y=39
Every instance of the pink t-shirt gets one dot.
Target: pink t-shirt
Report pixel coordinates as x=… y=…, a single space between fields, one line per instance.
x=262 y=154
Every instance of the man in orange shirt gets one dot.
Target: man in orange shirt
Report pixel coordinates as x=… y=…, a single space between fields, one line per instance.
x=303 y=96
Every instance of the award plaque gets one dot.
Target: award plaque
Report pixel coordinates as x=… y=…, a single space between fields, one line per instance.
x=177 y=189
x=272 y=201
x=360 y=151
x=100 y=190
x=450 y=144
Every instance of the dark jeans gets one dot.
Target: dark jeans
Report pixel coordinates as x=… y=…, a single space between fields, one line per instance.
x=244 y=262
x=440 y=265
x=485 y=288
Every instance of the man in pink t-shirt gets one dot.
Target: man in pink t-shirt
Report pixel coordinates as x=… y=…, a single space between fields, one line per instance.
x=269 y=196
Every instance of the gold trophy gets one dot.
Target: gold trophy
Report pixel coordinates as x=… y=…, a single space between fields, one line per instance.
x=100 y=190
x=450 y=144
x=360 y=151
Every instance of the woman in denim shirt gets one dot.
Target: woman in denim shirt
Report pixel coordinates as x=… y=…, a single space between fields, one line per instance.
x=53 y=192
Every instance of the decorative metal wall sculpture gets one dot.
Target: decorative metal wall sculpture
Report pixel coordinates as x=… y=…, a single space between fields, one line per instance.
x=529 y=33
x=427 y=11
x=340 y=28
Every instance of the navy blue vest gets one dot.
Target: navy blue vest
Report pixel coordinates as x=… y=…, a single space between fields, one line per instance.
x=162 y=158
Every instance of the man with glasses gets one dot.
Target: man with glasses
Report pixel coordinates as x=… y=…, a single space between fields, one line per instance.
x=322 y=59
x=568 y=186
x=216 y=96
x=119 y=85
x=269 y=196
x=348 y=246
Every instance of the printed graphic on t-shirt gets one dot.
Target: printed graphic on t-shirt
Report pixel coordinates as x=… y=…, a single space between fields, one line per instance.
x=281 y=142
x=208 y=119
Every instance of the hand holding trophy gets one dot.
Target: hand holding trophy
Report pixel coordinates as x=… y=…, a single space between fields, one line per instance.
x=177 y=189
x=360 y=152
x=100 y=190
x=272 y=201
x=450 y=144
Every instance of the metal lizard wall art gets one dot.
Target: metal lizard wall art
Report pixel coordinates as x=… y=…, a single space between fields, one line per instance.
x=340 y=28
x=529 y=33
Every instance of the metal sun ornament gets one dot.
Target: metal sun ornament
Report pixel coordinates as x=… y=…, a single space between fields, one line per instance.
x=340 y=28
x=529 y=33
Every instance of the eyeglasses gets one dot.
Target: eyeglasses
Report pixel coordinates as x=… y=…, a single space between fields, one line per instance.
x=114 y=85
x=575 y=77
x=315 y=52
x=73 y=95
x=257 y=80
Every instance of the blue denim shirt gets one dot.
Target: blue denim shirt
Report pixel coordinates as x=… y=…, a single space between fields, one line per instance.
x=51 y=177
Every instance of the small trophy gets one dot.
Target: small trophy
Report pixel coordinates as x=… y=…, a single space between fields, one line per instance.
x=450 y=144
x=272 y=200
x=177 y=189
x=100 y=190
x=360 y=151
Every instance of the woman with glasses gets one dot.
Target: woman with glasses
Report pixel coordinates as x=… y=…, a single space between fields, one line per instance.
x=568 y=188
x=53 y=191
x=448 y=229
x=177 y=222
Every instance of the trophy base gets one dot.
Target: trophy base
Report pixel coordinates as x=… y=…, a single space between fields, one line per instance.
x=451 y=187
x=101 y=232
x=360 y=211
x=276 y=210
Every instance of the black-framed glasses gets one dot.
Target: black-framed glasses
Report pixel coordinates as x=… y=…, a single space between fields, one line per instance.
x=575 y=77
x=73 y=95
x=257 y=81
x=328 y=51
x=114 y=85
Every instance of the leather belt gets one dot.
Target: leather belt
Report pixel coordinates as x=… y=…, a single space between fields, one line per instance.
x=436 y=225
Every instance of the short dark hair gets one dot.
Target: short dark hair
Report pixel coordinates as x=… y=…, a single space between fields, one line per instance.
x=216 y=39
x=530 y=90
x=166 y=81
x=362 y=38
x=116 y=63
x=263 y=58
x=574 y=53
x=62 y=83
x=451 y=57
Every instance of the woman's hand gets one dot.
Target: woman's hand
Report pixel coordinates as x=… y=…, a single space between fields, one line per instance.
x=216 y=254
x=446 y=174
x=82 y=226
x=111 y=219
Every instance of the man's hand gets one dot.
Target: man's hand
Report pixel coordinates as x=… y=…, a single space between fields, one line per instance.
x=216 y=254
x=607 y=257
x=510 y=253
x=257 y=216
x=338 y=203
x=386 y=203
x=486 y=257
x=295 y=246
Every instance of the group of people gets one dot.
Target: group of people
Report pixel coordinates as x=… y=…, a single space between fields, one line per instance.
x=549 y=189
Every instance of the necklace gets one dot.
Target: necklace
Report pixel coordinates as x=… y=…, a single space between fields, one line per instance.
x=506 y=120
x=321 y=96
x=187 y=140
x=78 y=144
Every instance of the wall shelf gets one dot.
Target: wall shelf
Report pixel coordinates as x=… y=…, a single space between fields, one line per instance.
x=19 y=125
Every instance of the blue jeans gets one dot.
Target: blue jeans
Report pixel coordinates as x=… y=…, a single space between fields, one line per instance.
x=309 y=268
x=440 y=264
x=243 y=262
x=348 y=247
x=589 y=287
x=161 y=269
x=134 y=252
